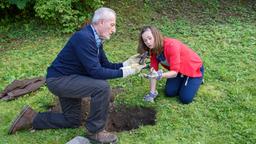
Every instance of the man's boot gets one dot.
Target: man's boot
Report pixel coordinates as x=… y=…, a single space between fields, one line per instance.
x=102 y=137
x=24 y=120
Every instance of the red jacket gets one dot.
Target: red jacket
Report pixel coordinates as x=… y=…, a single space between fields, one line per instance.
x=181 y=58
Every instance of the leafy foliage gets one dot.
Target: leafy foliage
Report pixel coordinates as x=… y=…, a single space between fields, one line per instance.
x=21 y=4
x=4 y=4
x=69 y=14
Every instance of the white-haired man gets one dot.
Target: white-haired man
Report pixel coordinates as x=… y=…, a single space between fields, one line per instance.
x=80 y=70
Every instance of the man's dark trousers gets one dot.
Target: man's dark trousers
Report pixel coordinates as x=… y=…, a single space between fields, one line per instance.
x=70 y=90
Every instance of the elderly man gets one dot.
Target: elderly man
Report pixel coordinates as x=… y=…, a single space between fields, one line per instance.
x=80 y=70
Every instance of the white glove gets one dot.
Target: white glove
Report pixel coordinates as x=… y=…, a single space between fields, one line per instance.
x=154 y=74
x=132 y=60
x=132 y=69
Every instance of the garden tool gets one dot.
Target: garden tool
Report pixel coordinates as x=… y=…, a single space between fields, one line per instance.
x=143 y=57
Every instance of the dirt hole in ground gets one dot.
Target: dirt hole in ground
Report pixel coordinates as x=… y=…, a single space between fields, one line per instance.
x=121 y=117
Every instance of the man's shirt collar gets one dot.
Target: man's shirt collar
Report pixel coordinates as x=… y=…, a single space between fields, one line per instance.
x=97 y=38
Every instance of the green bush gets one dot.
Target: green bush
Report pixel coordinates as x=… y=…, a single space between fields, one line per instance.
x=4 y=4
x=21 y=4
x=69 y=14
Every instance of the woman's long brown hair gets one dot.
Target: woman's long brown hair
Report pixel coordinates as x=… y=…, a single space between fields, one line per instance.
x=158 y=40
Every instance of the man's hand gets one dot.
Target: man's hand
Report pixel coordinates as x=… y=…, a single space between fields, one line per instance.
x=138 y=67
x=132 y=69
x=154 y=74
x=132 y=60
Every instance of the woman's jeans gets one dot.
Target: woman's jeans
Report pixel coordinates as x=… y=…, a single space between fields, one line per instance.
x=184 y=87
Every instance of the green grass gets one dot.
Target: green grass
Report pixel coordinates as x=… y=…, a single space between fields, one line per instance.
x=223 y=110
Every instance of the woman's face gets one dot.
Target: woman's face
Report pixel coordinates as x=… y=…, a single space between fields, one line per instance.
x=148 y=39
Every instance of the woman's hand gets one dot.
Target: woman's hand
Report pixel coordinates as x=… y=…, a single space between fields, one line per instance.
x=154 y=74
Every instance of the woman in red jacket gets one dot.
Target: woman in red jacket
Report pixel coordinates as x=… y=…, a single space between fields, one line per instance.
x=185 y=67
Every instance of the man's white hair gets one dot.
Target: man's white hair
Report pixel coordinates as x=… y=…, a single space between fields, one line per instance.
x=103 y=13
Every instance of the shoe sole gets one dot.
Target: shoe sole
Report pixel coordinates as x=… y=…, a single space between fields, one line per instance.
x=17 y=119
x=93 y=141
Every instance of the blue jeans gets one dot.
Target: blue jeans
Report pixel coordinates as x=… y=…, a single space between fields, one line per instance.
x=184 y=87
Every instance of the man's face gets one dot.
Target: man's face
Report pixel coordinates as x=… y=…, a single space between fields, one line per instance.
x=108 y=27
x=148 y=39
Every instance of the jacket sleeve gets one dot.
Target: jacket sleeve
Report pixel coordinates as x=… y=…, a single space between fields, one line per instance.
x=88 y=54
x=106 y=63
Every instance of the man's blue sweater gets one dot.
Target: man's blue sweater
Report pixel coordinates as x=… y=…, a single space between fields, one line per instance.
x=81 y=56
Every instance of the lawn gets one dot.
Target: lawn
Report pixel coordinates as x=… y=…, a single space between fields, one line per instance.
x=224 y=110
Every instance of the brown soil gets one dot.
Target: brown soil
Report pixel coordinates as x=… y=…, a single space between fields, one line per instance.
x=121 y=117
x=124 y=118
